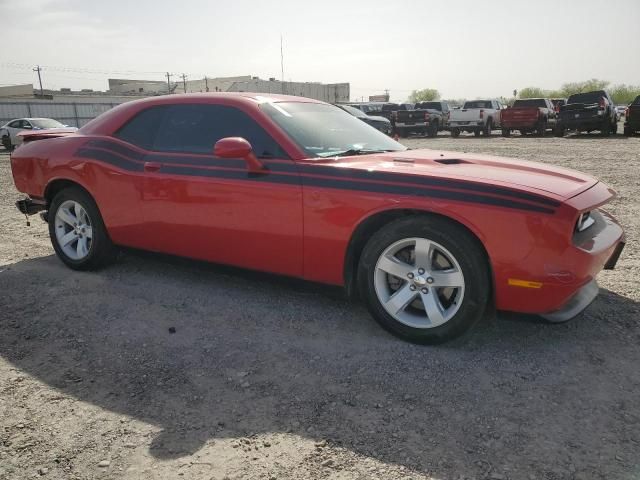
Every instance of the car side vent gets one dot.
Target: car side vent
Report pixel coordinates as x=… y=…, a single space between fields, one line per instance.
x=450 y=161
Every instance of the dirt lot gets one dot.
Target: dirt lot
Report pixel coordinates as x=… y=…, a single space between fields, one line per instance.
x=268 y=378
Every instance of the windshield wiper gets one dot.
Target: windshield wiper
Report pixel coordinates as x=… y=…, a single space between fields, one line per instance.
x=353 y=152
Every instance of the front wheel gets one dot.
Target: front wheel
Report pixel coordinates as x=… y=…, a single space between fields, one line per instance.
x=77 y=231
x=559 y=132
x=541 y=128
x=506 y=132
x=455 y=132
x=433 y=130
x=424 y=279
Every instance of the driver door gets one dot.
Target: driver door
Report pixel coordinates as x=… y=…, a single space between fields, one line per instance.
x=199 y=206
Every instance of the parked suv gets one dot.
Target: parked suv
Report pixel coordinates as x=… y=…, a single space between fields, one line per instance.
x=586 y=112
x=632 y=118
x=477 y=116
x=529 y=115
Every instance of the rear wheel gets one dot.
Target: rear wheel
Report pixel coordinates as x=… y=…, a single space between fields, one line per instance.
x=477 y=132
x=488 y=128
x=627 y=132
x=614 y=128
x=77 y=231
x=541 y=128
x=424 y=279
x=605 y=131
x=559 y=132
x=506 y=132
x=433 y=129
x=6 y=143
x=455 y=132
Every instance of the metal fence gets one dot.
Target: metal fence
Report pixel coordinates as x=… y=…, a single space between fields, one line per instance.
x=68 y=113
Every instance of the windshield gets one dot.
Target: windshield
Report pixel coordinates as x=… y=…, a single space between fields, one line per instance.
x=530 y=102
x=636 y=101
x=46 y=123
x=590 y=97
x=478 y=104
x=324 y=130
x=429 y=106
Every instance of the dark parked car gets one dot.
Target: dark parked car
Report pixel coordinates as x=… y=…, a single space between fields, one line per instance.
x=586 y=112
x=380 y=123
x=426 y=118
x=632 y=118
x=558 y=102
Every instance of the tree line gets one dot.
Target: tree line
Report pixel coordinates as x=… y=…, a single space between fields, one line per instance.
x=621 y=94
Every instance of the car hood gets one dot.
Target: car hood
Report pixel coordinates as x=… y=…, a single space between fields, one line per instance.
x=557 y=182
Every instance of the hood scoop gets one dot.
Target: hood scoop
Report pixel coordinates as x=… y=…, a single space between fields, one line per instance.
x=450 y=161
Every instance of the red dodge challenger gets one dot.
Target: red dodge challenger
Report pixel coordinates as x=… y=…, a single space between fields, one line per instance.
x=428 y=239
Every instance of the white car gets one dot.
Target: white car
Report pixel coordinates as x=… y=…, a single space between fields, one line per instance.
x=9 y=131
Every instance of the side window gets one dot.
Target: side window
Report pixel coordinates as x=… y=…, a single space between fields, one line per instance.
x=142 y=129
x=192 y=128
x=16 y=124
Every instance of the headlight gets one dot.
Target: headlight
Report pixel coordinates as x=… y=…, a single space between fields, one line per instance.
x=584 y=221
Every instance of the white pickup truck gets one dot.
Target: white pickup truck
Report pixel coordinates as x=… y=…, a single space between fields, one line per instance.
x=476 y=116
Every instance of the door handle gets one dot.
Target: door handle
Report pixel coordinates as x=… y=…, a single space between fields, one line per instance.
x=151 y=166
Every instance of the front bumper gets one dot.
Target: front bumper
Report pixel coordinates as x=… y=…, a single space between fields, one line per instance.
x=576 y=304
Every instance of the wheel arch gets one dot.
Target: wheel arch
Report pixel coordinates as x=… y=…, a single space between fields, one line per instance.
x=56 y=185
x=374 y=222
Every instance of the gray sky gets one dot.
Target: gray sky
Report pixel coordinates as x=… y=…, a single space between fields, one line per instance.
x=464 y=48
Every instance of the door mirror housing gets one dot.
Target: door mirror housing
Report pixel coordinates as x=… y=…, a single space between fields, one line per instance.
x=238 y=147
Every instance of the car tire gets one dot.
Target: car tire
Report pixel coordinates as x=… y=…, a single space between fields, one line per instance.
x=614 y=128
x=77 y=231
x=605 y=131
x=627 y=132
x=541 y=128
x=559 y=132
x=486 y=131
x=449 y=255
x=455 y=132
x=477 y=132
x=402 y=133
x=433 y=130
x=506 y=132
x=6 y=143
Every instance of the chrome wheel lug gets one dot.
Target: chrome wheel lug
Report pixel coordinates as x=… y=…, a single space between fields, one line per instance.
x=424 y=290
x=421 y=271
x=430 y=280
x=412 y=287
x=410 y=275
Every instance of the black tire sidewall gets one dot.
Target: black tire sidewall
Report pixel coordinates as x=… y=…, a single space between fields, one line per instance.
x=101 y=248
x=462 y=246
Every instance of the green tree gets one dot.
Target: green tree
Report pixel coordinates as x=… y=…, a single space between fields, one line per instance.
x=582 y=87
x=425 y=95
x=624 y=94
x=533 y=92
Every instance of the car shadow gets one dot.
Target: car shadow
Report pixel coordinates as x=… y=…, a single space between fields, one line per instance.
x=253 y=353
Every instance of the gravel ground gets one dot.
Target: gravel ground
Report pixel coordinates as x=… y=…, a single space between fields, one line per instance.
x=271 y=378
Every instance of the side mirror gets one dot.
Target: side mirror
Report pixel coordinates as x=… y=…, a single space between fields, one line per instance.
x=238 y=147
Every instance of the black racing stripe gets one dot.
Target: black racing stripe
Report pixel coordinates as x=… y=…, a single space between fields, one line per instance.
x=425 y=181
x=231 y=174
x=422 y=192
x=351 y=173
x=116 y=148
x=341 y=183
x=110 y=158
x=355 y=185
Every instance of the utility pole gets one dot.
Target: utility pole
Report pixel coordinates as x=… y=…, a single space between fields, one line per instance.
x=38 y=69
x=386 y=92
x=282 y=63
x=169 y=75
x=206 y=83
x=184 y=82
